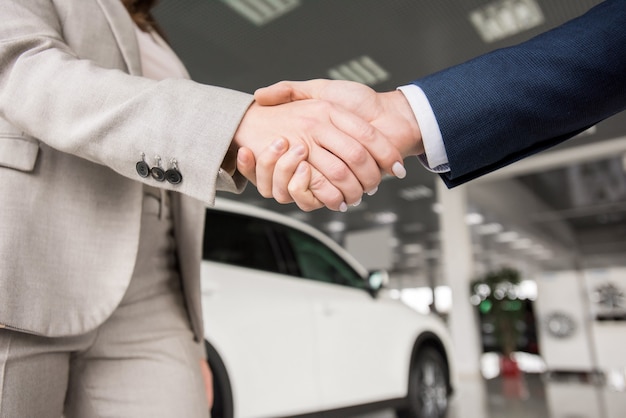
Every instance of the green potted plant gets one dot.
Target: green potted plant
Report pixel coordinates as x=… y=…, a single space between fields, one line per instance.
x=495 y=294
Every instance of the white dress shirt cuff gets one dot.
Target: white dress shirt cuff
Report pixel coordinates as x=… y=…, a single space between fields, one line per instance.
x=435 y=158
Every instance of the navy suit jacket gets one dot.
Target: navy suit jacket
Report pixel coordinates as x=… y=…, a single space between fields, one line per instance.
x=517 y=101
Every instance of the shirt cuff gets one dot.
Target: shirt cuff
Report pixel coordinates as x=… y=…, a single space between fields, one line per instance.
x=435 y=157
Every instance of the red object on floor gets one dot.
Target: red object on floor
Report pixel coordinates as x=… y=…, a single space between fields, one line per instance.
x=509 y=367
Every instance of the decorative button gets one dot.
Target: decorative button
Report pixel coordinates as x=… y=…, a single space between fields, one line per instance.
x=173 y=175
x=142 y=167
x=157 y=172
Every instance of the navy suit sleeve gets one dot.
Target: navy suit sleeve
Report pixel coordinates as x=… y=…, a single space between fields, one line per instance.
x=517 y=101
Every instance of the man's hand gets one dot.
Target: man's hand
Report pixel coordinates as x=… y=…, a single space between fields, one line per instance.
x=344 y=151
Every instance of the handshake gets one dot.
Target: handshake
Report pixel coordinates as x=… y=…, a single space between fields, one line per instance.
x=323 y=142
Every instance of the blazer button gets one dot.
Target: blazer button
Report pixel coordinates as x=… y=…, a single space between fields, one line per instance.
x=157 y=173
x=173 y=176
x=142 y=167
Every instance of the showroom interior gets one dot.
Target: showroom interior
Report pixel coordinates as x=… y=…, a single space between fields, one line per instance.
x=557 y=220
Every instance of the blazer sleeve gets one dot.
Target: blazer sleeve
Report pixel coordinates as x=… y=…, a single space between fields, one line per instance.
x=514 y=102
x=105 y=115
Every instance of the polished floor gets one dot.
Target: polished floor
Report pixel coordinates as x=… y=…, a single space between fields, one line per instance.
x=531 y=396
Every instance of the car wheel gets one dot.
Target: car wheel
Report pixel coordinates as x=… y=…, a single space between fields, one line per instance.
x=428 y=386
x=222 y=393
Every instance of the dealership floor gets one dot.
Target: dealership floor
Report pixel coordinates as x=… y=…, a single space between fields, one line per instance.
x=532 y=396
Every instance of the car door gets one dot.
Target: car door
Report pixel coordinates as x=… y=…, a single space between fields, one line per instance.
x=259 y=319
x=364 y=343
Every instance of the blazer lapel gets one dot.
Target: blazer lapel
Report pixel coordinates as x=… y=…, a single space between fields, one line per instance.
x=123 y=30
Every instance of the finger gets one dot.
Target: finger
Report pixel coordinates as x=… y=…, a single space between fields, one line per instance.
x=289 y=91
x=335 y=172
x=386 y=156
x=326 y=192
x=246 y=164
x=299 y=188
x=341 y=158
x=284 y=170
x=265 y=163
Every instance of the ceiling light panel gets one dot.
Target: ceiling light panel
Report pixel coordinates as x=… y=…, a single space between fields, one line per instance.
x=261 y=12
x=504 y=18
x=363 y=70
x=416 y=193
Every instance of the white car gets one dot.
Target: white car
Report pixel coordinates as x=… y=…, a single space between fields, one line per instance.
x=295 y=326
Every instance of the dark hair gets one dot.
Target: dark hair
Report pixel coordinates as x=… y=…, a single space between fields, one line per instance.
x=140 y=11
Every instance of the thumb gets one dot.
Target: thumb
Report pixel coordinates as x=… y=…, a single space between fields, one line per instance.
x=289 y=91
x=246 y=164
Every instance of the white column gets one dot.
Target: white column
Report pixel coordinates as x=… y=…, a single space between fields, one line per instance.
x=458 y=270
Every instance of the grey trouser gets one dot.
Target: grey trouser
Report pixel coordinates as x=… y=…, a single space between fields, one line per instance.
x=142 y=362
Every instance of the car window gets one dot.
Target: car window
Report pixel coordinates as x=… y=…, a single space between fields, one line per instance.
x=240 y=240
x=318 y=262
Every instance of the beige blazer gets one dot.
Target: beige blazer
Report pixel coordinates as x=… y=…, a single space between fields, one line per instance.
x=75 y=118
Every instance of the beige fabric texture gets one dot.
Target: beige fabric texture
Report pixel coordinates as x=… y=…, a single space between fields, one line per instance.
x=141 y=362
x=74 y=120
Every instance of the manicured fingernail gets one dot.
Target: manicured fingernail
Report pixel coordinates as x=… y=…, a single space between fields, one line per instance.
x=278 y=144
x=343 y=207
x=373 y=191
x=357 y=203
x=398 y=170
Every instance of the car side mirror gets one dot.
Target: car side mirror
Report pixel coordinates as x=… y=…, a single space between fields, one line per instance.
x=377 y=280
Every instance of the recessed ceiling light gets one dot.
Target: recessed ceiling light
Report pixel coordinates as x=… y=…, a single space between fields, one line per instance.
x=509 y=236
x=412 y=249
x=489 y=229
x=415 y=193
x=522 y=244
x=382 y=217
x=363 y=70
x=335 y=226
x=504 y=18
x=261 y=12
x=474 y=219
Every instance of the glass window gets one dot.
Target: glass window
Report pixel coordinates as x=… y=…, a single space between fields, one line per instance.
x=318 y=262
x=240 y=240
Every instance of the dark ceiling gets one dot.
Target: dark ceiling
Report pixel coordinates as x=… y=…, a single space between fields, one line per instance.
x=577 y=210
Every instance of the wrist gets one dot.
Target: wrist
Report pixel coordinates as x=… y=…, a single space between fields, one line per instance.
x=410 y=137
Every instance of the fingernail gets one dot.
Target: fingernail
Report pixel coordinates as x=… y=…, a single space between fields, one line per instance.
x=398 y=170
x=373 y=191
x=343 y=207
x=357 y=203
x=278 y=144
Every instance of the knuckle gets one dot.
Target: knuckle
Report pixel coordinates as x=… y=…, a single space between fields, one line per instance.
x=326 y=193
x=338 y=173
x=358 y=155
x=367 y=132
